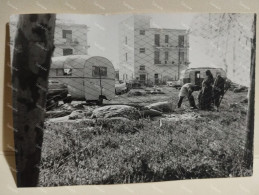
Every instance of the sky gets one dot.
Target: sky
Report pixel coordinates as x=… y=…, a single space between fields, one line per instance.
x=104 y=32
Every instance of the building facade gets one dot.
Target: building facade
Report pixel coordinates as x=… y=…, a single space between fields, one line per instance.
x=151 y=55
x=70 y=39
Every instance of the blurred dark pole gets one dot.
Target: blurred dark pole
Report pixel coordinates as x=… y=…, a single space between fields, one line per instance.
x=33 y=48
x=248 y=158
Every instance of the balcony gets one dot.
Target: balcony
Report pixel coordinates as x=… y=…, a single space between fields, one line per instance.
x=169 y=63
x=70 y=42
x=170 y=46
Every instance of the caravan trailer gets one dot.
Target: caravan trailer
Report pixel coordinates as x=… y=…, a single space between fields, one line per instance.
x=196 y=75
x=87 y=78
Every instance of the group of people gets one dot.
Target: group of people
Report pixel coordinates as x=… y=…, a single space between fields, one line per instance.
x=211 y=91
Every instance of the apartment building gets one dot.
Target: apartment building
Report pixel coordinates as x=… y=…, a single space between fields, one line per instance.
x=151 y=55
x=70 y=39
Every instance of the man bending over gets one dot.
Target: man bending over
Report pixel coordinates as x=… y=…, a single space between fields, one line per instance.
x=186 y=91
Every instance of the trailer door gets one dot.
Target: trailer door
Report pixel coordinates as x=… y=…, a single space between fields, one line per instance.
x=197 y=78
x=93 y=82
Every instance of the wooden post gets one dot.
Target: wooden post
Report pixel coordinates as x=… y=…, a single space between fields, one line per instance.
x=33 y=49
x=248 y=157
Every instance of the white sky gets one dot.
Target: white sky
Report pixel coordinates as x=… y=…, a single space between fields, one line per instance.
x=103 y=36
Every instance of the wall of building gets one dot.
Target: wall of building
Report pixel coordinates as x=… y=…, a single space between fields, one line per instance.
x=126 y=46
x=133 y=29
x=79 y=43
x=167 y=69
x=79 y=39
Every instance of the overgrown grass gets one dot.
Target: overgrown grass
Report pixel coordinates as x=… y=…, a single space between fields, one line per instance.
x=142 y=151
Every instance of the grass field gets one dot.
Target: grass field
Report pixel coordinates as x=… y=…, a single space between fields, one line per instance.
x=142 y=150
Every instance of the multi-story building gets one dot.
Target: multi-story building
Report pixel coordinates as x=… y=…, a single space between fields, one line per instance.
x=151 y=54
x=70 y=39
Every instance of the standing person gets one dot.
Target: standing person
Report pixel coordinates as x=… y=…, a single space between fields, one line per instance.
x=186 y=91
x=205 y=96
x=218 y=90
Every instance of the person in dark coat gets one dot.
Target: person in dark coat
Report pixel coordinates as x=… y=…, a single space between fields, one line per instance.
x=186 y=91
x=205 y=96
x=218 y=90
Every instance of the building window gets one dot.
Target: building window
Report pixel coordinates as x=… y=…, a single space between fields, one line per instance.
x=166 y=38
x=156 y=78
x=125 y=77
x=157 y=57
x=142 y=78
x=142 y=67
x=64 y=72
x=126 y=40
x=117 y=75
x=142 y=32
x=99 y=71
x=181 y=40
x=126 y=57
x=181 y=57
x=157 y=39
x=142 y=50
x=67 y=51
x=166 y=56
x=66 y=33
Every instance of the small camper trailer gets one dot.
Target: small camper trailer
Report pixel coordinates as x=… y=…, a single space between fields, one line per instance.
x=196 y=75
x=87 y=78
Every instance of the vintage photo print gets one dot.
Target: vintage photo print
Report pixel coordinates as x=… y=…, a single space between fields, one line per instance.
x=132 y=98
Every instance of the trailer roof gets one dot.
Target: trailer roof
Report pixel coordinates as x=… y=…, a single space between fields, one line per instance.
x=79 y=60
x=63 y=58
x=202 y=68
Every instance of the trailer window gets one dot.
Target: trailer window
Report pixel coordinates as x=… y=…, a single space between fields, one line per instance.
x=99 y=71
x=59 y=72
x=67 y=71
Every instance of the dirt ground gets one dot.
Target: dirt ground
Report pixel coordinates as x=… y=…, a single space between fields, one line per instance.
x=170 y=94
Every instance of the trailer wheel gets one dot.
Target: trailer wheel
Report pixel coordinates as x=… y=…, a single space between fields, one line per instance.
x=67 y=100
x=100 y=101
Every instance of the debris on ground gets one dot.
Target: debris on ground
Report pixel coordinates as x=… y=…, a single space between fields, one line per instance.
x=137 y=93
x=236 y=88
x=79 y=114
x=244 y=100
x=157 y=91
x=59 y=119
x=240 y=89
x=114 y=119
x=57 y=113
x=66 y=107
x=150 y=113
x=116 y=111
x=161 y=106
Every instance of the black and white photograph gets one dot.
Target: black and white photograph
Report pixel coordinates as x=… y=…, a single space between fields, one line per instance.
x=132 y=98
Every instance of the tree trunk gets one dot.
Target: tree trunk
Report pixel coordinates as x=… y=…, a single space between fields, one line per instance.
x=248 y=158
x=33 y=49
